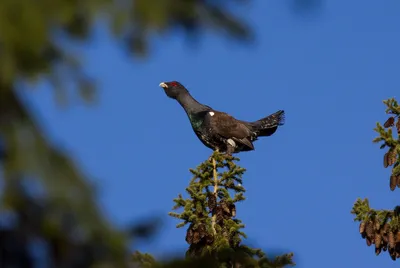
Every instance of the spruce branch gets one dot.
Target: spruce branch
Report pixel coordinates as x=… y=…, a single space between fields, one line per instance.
x=382 y=227
x=209 y=211
x=389 y=139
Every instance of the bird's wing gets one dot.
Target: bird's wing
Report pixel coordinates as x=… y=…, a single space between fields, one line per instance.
x=228 y=127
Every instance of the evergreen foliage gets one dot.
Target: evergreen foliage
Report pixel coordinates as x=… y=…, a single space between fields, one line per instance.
x=210 y=209
x=382 y=227
x=210 y=214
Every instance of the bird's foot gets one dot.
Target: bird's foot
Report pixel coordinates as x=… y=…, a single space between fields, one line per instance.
x=230 y=150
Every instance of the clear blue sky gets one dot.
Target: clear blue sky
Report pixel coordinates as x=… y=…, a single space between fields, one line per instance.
x=330 y=71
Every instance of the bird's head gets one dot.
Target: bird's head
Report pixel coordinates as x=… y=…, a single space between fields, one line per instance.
x=173 y=89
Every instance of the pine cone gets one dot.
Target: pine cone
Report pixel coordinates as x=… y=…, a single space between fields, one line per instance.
x=389 y=158
x=385 y=238
x=201 y=229
x=393 y=182
x=386 y=228
x=398 y=125
x=377 y=224
x=369 y=229
x=196 y=237
x=368 y=241
x=389 y=122
x=378 y=240
x=189 y=235
x=378 y=251
x=392 y=241
x=392 y=157
x=362 y=227
x=212 y=201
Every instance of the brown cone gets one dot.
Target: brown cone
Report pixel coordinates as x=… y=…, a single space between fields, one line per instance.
x=393 y=182
x=385 y=160
x=378 y=240
x=392 y=157
x=362 y=227
x=391 y=238
x=389 y=122
x=189 y=235
x=377 y=225
x=385 y=238
x=389 y=158
x=386 y=228
x=369 y=229
x=202 y=230
x=196 y=237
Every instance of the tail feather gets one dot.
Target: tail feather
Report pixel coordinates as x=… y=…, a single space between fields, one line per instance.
x=268 y=125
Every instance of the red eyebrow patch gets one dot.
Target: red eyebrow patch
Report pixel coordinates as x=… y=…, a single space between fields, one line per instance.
x=174 y=83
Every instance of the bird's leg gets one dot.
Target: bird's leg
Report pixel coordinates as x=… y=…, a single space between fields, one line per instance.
x=229 y=150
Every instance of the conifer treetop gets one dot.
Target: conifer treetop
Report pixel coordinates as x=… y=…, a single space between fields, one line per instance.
x=209 y=211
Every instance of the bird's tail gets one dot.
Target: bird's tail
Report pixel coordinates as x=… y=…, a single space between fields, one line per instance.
x=268 y=125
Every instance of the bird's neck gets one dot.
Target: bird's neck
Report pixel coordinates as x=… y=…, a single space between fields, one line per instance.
x=193 y=109
x=191 y=105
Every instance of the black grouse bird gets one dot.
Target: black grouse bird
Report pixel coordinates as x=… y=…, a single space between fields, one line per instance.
x=220 y=131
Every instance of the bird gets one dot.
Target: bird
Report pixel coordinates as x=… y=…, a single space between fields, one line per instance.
x=218 y=130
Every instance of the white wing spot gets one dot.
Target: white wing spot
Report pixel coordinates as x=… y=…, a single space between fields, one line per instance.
x=231 y=142
x=211 y=113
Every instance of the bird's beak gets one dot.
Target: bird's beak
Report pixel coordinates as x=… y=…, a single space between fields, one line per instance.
x=163 y=85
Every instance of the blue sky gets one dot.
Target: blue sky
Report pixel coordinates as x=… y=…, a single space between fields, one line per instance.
x=329 y=71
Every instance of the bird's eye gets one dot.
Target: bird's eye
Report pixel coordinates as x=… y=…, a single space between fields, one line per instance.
x=174 y=84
